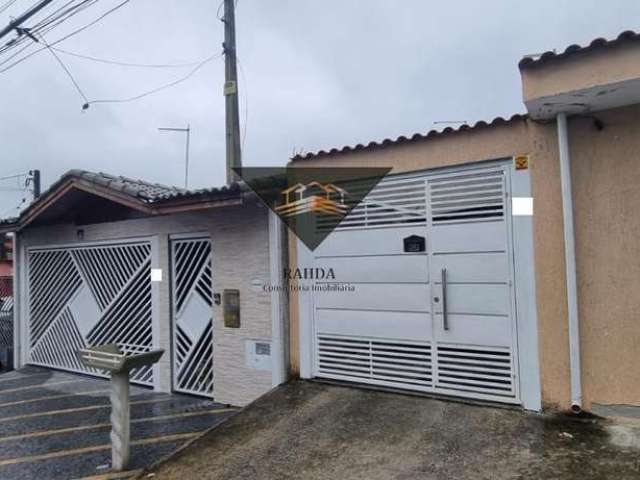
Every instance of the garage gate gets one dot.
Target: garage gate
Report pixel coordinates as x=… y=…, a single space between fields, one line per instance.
x=430 y=258
x=89 y=295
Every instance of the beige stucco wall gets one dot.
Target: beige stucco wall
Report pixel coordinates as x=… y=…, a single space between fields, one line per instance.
x=606 y=186
x=488 y=143
x=583 y=70
x=239 y=236
x=606 y=175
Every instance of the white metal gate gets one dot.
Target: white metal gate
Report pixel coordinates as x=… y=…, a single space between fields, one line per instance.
x=89 y=295
x=192 y=319
x=438 y=320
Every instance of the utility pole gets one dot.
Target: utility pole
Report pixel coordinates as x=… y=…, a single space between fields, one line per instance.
x=232 y=110
x=14 y=24
x=186 y=153
x=35 y=178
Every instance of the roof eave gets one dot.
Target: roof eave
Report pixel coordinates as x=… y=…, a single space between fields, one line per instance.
x=388 y=142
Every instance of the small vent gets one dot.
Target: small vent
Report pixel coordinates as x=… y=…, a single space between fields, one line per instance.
x=392 y=363
x=393 y=202
x=471 y=197
x=475 y=369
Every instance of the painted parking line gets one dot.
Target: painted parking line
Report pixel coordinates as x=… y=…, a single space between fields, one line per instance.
x=14 y=378
x=40 y=385
x=97 y=448
x=114 y=475
x=52 y=397
x=105 y=425
x=79 y=409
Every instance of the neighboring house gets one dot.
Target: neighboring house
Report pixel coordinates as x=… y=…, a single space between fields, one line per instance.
x=6 y=301
x=6 y=258
x=540 y=310
x=105 y=259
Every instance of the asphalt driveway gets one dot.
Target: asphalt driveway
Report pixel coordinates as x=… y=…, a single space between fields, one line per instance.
x=313 y=431
x=55 y=425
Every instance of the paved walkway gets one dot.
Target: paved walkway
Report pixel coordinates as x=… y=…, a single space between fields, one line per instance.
x=55 y=425
x=312 y=431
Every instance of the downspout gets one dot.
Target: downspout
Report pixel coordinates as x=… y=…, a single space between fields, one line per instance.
x=279 y=311
x=17 y=303
x=570 y=264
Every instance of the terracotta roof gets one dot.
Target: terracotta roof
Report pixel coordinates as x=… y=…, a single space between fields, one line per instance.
x=146 y=193
x=413 y=138
x=626 y=36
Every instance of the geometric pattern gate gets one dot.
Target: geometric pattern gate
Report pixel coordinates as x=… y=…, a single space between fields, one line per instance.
x=192 y=320
x=81 y=296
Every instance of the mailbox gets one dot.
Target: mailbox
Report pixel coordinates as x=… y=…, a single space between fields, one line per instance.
x=231 y=307
x=414 y=244
x=111 y=359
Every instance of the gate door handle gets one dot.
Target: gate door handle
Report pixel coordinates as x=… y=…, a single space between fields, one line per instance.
x=445 y=320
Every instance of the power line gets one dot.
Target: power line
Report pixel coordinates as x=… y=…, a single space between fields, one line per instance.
x=245 y=97
x=64 y=67
x=65 y=37
x=17 y=207
x=126 y=64
x=18 y=175
x=24 y=17
x=157 y=89
x=7 y=5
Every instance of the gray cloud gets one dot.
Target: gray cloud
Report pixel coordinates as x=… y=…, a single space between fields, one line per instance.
x=318 y=74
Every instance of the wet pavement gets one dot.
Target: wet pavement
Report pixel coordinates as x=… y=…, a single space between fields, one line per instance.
x=55 y=425
x=311 y=431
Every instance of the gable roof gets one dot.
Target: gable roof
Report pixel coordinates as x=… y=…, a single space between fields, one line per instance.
x=598 y=43
x=145 y=191
x=150 y=198
x=413 y=138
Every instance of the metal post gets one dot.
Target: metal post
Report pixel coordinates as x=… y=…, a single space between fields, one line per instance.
x=570 y=264
x=232 y=110
x=186 y=162
x=120 y=411
x=35 y=177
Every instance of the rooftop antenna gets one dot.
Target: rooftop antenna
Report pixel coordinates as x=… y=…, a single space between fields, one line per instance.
x=450 y=122
x=186 y=152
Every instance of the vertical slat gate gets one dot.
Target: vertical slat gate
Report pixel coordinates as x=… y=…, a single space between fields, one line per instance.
x=192 y=322
x=93 y=295
x=6 y=314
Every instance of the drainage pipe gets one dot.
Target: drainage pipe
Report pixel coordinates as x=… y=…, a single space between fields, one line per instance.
x=570 y=264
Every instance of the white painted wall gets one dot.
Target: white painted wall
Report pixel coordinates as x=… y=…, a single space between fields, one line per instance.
x=241 y=259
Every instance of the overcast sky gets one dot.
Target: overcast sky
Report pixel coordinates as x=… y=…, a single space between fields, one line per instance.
x=317 y=74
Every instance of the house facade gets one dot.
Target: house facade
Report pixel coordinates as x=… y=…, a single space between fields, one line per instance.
x=104 y=259
x=525 y=289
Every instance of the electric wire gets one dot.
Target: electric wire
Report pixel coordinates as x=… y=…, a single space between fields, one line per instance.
x=45 y=25
x=17 y=207
x=245 y=98
x=126 y=64
x=7 y=5
x=157 y=89
x=64 y=67
x=67 y=36
x=18 y=175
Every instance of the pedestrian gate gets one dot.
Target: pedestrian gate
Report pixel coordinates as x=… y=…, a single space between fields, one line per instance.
x=430 y=260
x=89 y=295
x=192 y=300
